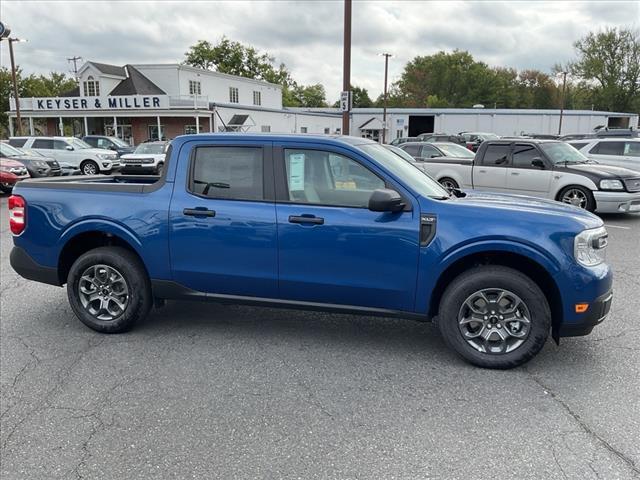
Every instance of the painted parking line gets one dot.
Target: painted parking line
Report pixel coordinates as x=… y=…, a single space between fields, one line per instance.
x=608 y=225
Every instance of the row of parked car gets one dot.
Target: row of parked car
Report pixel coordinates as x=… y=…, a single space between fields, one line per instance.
x=597 y=174
x=38 y=156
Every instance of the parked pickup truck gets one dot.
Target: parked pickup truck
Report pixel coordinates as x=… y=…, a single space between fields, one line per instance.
x=540 y=168
x=336 y=224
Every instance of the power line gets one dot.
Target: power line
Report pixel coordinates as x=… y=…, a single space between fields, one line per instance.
x=75 y=66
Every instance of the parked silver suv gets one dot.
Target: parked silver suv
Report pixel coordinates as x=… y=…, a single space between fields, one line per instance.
x=620 y=152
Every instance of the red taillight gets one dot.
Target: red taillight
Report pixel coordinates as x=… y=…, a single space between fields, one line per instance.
x=17 y=214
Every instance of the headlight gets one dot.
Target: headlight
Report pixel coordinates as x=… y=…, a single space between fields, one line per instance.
x=611 y=185
x=147 y=160
x=590 y=246
x=107 y=156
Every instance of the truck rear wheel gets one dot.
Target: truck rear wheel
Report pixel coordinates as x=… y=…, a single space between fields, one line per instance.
x=109 y=289
x=494 y=317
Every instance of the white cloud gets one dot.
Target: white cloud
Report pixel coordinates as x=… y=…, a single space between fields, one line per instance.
x=307 y=36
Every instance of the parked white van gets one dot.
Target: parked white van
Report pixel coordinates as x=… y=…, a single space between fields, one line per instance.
x=72 y=151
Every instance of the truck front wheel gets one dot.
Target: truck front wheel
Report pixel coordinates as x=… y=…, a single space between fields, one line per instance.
x=494 y=317
x=449 y=183
x=109 y=289
x=578 y=197
x=89 y=167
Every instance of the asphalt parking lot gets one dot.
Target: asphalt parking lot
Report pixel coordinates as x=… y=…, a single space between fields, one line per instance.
x=209 y=391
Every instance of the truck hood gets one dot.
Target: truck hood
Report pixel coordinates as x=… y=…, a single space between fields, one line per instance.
x=529 y=205
x=143 y=155
x=597 y=171
x=96 y=151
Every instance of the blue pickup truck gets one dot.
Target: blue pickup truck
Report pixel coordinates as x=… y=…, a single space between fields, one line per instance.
x=336 y=224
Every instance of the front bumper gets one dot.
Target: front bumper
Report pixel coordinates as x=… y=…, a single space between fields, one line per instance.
x=595 y=314
x=138 y=168
x=617 y=202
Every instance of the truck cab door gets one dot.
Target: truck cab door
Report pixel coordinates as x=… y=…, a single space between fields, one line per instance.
x=530 y=173
x=491 y=171
x=332 y=248
x=222 y=219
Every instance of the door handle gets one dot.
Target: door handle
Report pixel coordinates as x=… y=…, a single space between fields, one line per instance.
x=199 y=212
x=482 y=171
x=306 y=219
x=515 y=173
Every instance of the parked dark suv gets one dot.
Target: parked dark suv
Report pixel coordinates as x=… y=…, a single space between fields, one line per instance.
x=109 y=143
x=37 y=165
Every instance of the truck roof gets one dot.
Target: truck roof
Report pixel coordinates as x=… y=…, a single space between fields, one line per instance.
x=298 y=137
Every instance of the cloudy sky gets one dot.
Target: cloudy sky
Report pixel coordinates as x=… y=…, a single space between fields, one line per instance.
x=307 y=36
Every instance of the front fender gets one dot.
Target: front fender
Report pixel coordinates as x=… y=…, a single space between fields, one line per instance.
x=433 y=265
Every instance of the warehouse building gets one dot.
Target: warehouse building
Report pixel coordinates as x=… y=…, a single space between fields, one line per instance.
x=142 y=102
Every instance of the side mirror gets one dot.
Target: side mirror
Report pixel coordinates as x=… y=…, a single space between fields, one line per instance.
x=69 y=147
x=537 y=163
x=385 y=200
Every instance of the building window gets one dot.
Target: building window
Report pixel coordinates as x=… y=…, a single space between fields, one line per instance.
x=399 y=133
x=233 y=94
x=153 y=132
x=190 y=129
x=194 y=87
x=257 y=98
x=327 y=131
x=265 y=128
x=303 y=129
x=91 y=87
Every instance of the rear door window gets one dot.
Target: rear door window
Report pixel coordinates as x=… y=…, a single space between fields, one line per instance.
x=46 y=143
x=232 y=173
x=608 y=148
x=496 y=155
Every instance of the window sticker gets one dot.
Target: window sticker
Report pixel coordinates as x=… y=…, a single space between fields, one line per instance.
x=296 y=171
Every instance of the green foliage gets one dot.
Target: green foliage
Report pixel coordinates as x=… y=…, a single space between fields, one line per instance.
x=610 y=61
x=51 y=85
x=234 y=58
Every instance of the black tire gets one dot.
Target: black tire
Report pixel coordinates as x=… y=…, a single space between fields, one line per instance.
x=448 y=183
x=159 y=169
x=89 y=167
x=129 y=266
x=590 y=201
x=494 y=277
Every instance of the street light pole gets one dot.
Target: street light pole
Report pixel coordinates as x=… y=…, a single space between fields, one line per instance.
x=384 y=110
x=564 y=86
x=346 y=64
x=15 y=83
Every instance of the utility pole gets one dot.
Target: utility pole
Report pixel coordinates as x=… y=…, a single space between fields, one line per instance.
x=75 y=66
x=346 y=65
x=384 y=110
x=564 y=86
x=15 y=84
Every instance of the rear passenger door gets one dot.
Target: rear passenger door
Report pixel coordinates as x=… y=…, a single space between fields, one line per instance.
x=44 y=146
x=530 y=173
x=491 y=173
x=223 y=221
x=609 y=153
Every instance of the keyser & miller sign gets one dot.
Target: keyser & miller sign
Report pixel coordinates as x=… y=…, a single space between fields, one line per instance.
x=129 y=102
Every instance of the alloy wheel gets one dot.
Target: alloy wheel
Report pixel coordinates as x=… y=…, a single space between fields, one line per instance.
x=575 y=197
x=103 y=292
x=494 y=321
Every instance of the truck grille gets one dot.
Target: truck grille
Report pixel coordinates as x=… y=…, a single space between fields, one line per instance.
x=136 y=161
x=632 y=184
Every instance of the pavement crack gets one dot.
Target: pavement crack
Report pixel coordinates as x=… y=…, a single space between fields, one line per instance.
x=585 y=427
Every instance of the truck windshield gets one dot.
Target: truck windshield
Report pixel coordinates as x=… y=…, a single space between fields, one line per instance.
x=452 y=150
x=151 y=148
x=405 y=171
x=118 y=142
x=560 y=152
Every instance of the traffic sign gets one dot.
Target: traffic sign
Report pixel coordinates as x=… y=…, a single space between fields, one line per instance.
x=345 y=101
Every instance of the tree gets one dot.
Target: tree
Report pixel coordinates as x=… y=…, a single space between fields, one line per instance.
x=52 y=85
x=610 y=61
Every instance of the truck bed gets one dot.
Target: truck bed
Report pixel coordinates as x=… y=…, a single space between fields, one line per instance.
x=102 y=183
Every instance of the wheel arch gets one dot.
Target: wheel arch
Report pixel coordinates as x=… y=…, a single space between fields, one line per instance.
x=84 y=238
x=517 y=261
